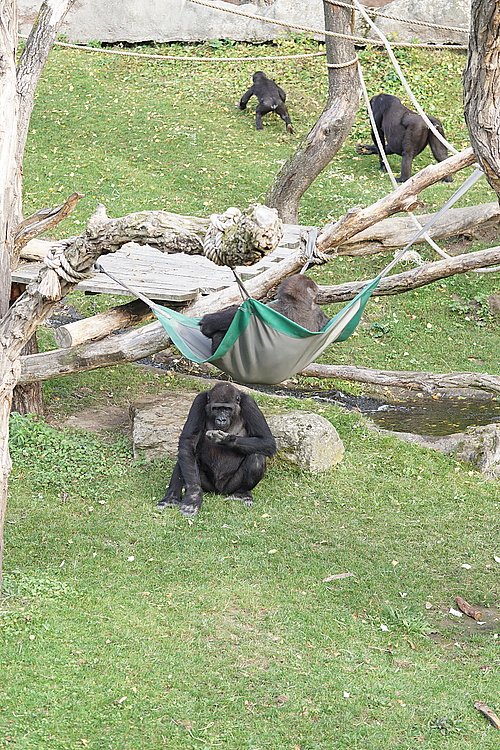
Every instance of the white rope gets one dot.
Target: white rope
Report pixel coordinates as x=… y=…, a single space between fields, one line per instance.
x=321 y=32
x=183 y=58
x=219 y=224
x=403 y=80
x=342 y=65
x=411 y=21
x=59 y=268
x=389 y=171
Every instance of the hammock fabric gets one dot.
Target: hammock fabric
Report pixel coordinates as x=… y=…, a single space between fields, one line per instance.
x=261 y=345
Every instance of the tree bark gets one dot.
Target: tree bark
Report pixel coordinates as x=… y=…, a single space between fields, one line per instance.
x=429 y=382
x=43 y=220
x=404 y=198
x=254 y=233
x=390 y=234
x=9 y=196
x=329 y=133
x=31 y=63
x=481 y=82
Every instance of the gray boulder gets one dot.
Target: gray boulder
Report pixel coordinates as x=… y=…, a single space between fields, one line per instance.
x=307 y=439
x=157 y=422
x=478 y=446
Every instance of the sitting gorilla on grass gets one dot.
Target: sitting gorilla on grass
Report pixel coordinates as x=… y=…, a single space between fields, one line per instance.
x=402 y=132
x=222 y=449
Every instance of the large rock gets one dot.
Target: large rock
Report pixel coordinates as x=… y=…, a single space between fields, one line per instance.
x=306 y=439
x=157 y=422
x=175 y=20
x=181 y=20
x=478 y=446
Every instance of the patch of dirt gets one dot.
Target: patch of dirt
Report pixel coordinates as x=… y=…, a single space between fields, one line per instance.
x=463 y=628
x=95 y=419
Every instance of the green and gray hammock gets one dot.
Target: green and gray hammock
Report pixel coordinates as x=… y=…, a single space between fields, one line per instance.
x=262 y=346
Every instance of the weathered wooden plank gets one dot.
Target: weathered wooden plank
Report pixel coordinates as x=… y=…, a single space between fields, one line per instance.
x=160 y=276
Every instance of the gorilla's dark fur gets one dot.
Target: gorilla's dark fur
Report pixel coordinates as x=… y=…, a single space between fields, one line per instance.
x=222 y=449
x=403 y=132
x=295 y=298
x=271 y=99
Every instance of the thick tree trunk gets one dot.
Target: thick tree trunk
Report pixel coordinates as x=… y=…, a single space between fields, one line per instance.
x=481 y=83
x=332 y=128
x=9 y=196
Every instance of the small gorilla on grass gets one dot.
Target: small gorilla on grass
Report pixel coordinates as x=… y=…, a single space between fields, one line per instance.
x=295 y=299
x=271 y=99
x=222 y=449
x=403 y=132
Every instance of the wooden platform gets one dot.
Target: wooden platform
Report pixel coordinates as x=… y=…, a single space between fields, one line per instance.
x=160 y=276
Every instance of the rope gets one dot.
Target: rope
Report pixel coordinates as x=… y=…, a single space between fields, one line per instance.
x=389 y=171
x=59 y=268
x=342 y=65
x=412 y=22
x=312 y=254
x=322 y=32
x=468 y=183
x=183 y=58
x=219 y=224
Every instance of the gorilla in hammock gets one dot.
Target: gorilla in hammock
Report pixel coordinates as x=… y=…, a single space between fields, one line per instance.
x=295 y=299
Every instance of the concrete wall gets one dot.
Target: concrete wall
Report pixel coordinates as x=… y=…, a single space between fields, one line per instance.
x=174 y=20
x=181 y=20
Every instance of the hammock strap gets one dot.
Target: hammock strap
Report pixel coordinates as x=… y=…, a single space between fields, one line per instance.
x=243 y=291
x=464 y=187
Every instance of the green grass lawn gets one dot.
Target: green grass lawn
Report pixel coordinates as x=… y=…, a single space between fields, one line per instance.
x=125 y=628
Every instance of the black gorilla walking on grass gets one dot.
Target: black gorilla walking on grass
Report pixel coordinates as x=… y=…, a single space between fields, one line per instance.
x=403 y=132
x=271 y=99
x=222 y=449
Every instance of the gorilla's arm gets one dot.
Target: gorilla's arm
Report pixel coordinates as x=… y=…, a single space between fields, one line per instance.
x=246 y=96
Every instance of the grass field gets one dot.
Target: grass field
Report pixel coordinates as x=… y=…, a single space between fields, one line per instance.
x=125 y=628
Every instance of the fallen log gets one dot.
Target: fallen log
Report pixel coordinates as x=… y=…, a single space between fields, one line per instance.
x=102 y=324
x=429 y=382
x=396 y=232
x=403 y=198
x=414 y=278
